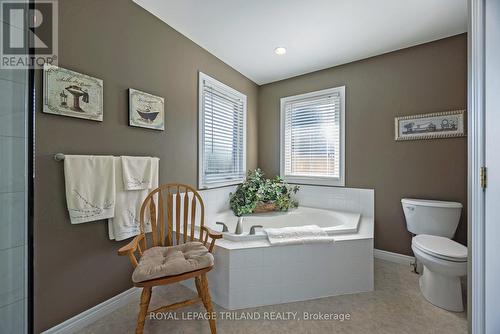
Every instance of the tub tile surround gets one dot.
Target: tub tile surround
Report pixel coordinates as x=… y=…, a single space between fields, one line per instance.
x=216 y=200
x=252 y=273
x=338 y=198
x=276 y=275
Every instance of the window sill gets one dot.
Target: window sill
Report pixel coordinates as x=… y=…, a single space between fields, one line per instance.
x=317 y=181
x=219 y=184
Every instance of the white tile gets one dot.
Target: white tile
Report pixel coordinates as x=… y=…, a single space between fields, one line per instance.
x=217 y=280
x=12 y=177
x=271 y=275
x=12 y=108
x=244 y=298
x=273 y=256
x=237 y=259
x=12 y=219
x=12 y=318
x=17 y=75
x=243 y=278
x=221 y=257
x=218 y=289
x=11 y=275
x=295 y=292
x=299 y=253
x=318 y=288
x=220 y=298
x=294 y=273
x=12 y=124
x=16 y=23
x=271 y=294
x=254 y=296
x=335 y=198
x=216 y=200
x=251 y=257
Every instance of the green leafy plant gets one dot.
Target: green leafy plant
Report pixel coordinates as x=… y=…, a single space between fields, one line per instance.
x=257 y=190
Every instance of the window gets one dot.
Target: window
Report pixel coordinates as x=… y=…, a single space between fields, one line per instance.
x=222 y=134
x=312 y=137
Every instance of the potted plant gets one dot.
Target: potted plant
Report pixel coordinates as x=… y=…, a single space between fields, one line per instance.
x=258 y=194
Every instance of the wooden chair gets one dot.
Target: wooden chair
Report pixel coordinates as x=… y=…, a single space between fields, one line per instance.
x=169 y=196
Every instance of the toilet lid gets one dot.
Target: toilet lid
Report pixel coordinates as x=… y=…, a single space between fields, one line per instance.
x=441 y=247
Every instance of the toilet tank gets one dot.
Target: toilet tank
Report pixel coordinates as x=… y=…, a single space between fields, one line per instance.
x=431 y=217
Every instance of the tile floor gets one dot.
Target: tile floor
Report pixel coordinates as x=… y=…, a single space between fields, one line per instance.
x=396 y=306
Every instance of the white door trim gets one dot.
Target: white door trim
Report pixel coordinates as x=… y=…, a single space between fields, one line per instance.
x=476 y=150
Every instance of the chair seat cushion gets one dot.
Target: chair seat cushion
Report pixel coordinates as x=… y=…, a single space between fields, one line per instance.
x=159 y=262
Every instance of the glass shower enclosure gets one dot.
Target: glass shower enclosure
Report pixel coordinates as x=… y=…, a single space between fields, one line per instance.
x=14 y=183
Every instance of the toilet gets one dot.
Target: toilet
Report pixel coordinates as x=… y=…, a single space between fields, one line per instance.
x=444 y=261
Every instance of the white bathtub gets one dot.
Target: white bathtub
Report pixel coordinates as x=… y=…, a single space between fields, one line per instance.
x=332 y=222
x=251 y=273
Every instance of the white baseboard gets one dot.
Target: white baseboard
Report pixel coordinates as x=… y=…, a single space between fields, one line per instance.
x=393 y=257
x=95 y=313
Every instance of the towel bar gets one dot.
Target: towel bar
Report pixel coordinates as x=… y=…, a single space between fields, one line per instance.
x=59 y=157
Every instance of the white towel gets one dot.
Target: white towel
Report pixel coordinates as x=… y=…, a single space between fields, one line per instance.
x=297 y=235
x=90 y=187
x=136 y=172
x=126 y=222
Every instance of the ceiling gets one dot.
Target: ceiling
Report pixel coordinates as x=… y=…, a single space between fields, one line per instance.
x=316 y=33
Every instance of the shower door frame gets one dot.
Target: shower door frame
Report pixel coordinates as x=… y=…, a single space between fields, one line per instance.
x=30 y=176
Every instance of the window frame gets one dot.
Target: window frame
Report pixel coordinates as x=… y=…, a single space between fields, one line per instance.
x=202 y=77
x=314 y=180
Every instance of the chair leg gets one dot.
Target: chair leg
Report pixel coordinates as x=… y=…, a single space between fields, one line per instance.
x=143 y=310
x=202 y=287
x=198 y=285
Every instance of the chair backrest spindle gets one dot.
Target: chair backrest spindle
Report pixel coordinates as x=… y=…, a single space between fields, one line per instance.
x=177 y=216
x=170 y=226
x=161 y=214
x=152 y=215
x=163 y=229
x=193 y=216
x=185 y=214
x=202 y=218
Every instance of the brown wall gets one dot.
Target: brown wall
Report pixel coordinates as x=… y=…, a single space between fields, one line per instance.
x=76 y=266
x=426 y=78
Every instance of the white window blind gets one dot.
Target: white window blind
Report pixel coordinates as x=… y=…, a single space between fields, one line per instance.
x=222 y=134
x=313 y=137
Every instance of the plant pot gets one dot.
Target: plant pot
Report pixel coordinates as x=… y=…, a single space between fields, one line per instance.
x=265 y=207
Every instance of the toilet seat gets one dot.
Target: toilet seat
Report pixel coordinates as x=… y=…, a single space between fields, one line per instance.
x=440 y=247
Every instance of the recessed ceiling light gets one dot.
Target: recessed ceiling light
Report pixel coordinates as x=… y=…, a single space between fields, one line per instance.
x=280 y=50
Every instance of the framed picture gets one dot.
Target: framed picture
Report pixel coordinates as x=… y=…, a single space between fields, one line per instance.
x=429 y=126
x=72 y=94
x=146 y=110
